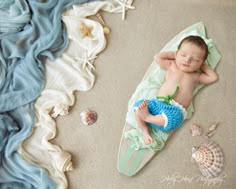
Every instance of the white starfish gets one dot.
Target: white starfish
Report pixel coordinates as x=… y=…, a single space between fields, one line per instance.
x=124 y=6
x=87 y=60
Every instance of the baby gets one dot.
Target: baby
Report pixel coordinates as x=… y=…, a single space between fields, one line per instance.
x=168 y=111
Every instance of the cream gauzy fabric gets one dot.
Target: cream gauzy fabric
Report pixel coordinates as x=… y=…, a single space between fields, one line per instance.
x=73 y=71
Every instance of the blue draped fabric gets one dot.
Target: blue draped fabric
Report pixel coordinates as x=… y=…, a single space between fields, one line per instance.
x=16 y=173
x=14 y=15
x=30 y=31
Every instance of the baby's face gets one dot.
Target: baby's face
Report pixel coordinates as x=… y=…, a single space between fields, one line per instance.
x=189 y=57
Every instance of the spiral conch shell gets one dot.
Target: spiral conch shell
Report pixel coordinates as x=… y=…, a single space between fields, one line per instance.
x=209 y=158
x=88 y=117
x=62 y=160
x=195 y=130
x=211 y=130
x=106 y=29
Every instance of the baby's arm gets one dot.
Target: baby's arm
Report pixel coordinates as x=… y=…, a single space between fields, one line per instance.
x=208 y=76
x=164 y=59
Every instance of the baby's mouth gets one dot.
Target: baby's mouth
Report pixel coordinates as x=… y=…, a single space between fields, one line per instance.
x=185 y=65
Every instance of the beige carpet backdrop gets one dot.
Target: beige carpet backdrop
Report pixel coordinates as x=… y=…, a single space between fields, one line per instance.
x=119 y=69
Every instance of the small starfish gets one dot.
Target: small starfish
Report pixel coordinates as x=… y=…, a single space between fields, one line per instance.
x=124 y=5
x=87 y=60
x=86 y=31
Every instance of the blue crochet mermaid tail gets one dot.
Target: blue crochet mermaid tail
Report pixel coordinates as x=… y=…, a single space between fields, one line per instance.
x=173 y=114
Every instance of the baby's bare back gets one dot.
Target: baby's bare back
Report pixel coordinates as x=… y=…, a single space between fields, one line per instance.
x=186 y=82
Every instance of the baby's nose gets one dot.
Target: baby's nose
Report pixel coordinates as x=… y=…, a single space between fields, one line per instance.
x=188 y=60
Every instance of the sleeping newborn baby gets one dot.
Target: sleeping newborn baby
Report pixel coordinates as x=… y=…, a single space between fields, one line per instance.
x=185 y=69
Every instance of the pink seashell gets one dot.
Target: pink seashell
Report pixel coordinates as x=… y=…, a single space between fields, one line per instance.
x=88 y=117
x=60 y=109
x=209 y=158
x=195 y=130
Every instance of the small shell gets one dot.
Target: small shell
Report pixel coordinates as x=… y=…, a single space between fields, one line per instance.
x=209 y=158
x=69 y=166
x=106 y=30
x=62 y=161
x=88 y=117
x=59 y=109
x=213 y=127
x=211 y=130
x=100 y=17
x=195 y=130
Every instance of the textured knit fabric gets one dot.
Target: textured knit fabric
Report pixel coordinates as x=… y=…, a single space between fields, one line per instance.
x=174 y=116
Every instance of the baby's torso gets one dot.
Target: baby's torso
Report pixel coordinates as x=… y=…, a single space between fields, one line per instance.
x=186 y=82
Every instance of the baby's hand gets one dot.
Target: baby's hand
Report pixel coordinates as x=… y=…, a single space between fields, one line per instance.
x=155 y=57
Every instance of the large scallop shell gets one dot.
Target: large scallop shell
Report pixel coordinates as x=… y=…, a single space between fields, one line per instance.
x=209 y=158
x=88 y=117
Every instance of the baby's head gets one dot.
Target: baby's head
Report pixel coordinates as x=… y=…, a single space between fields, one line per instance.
x=191 y=54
